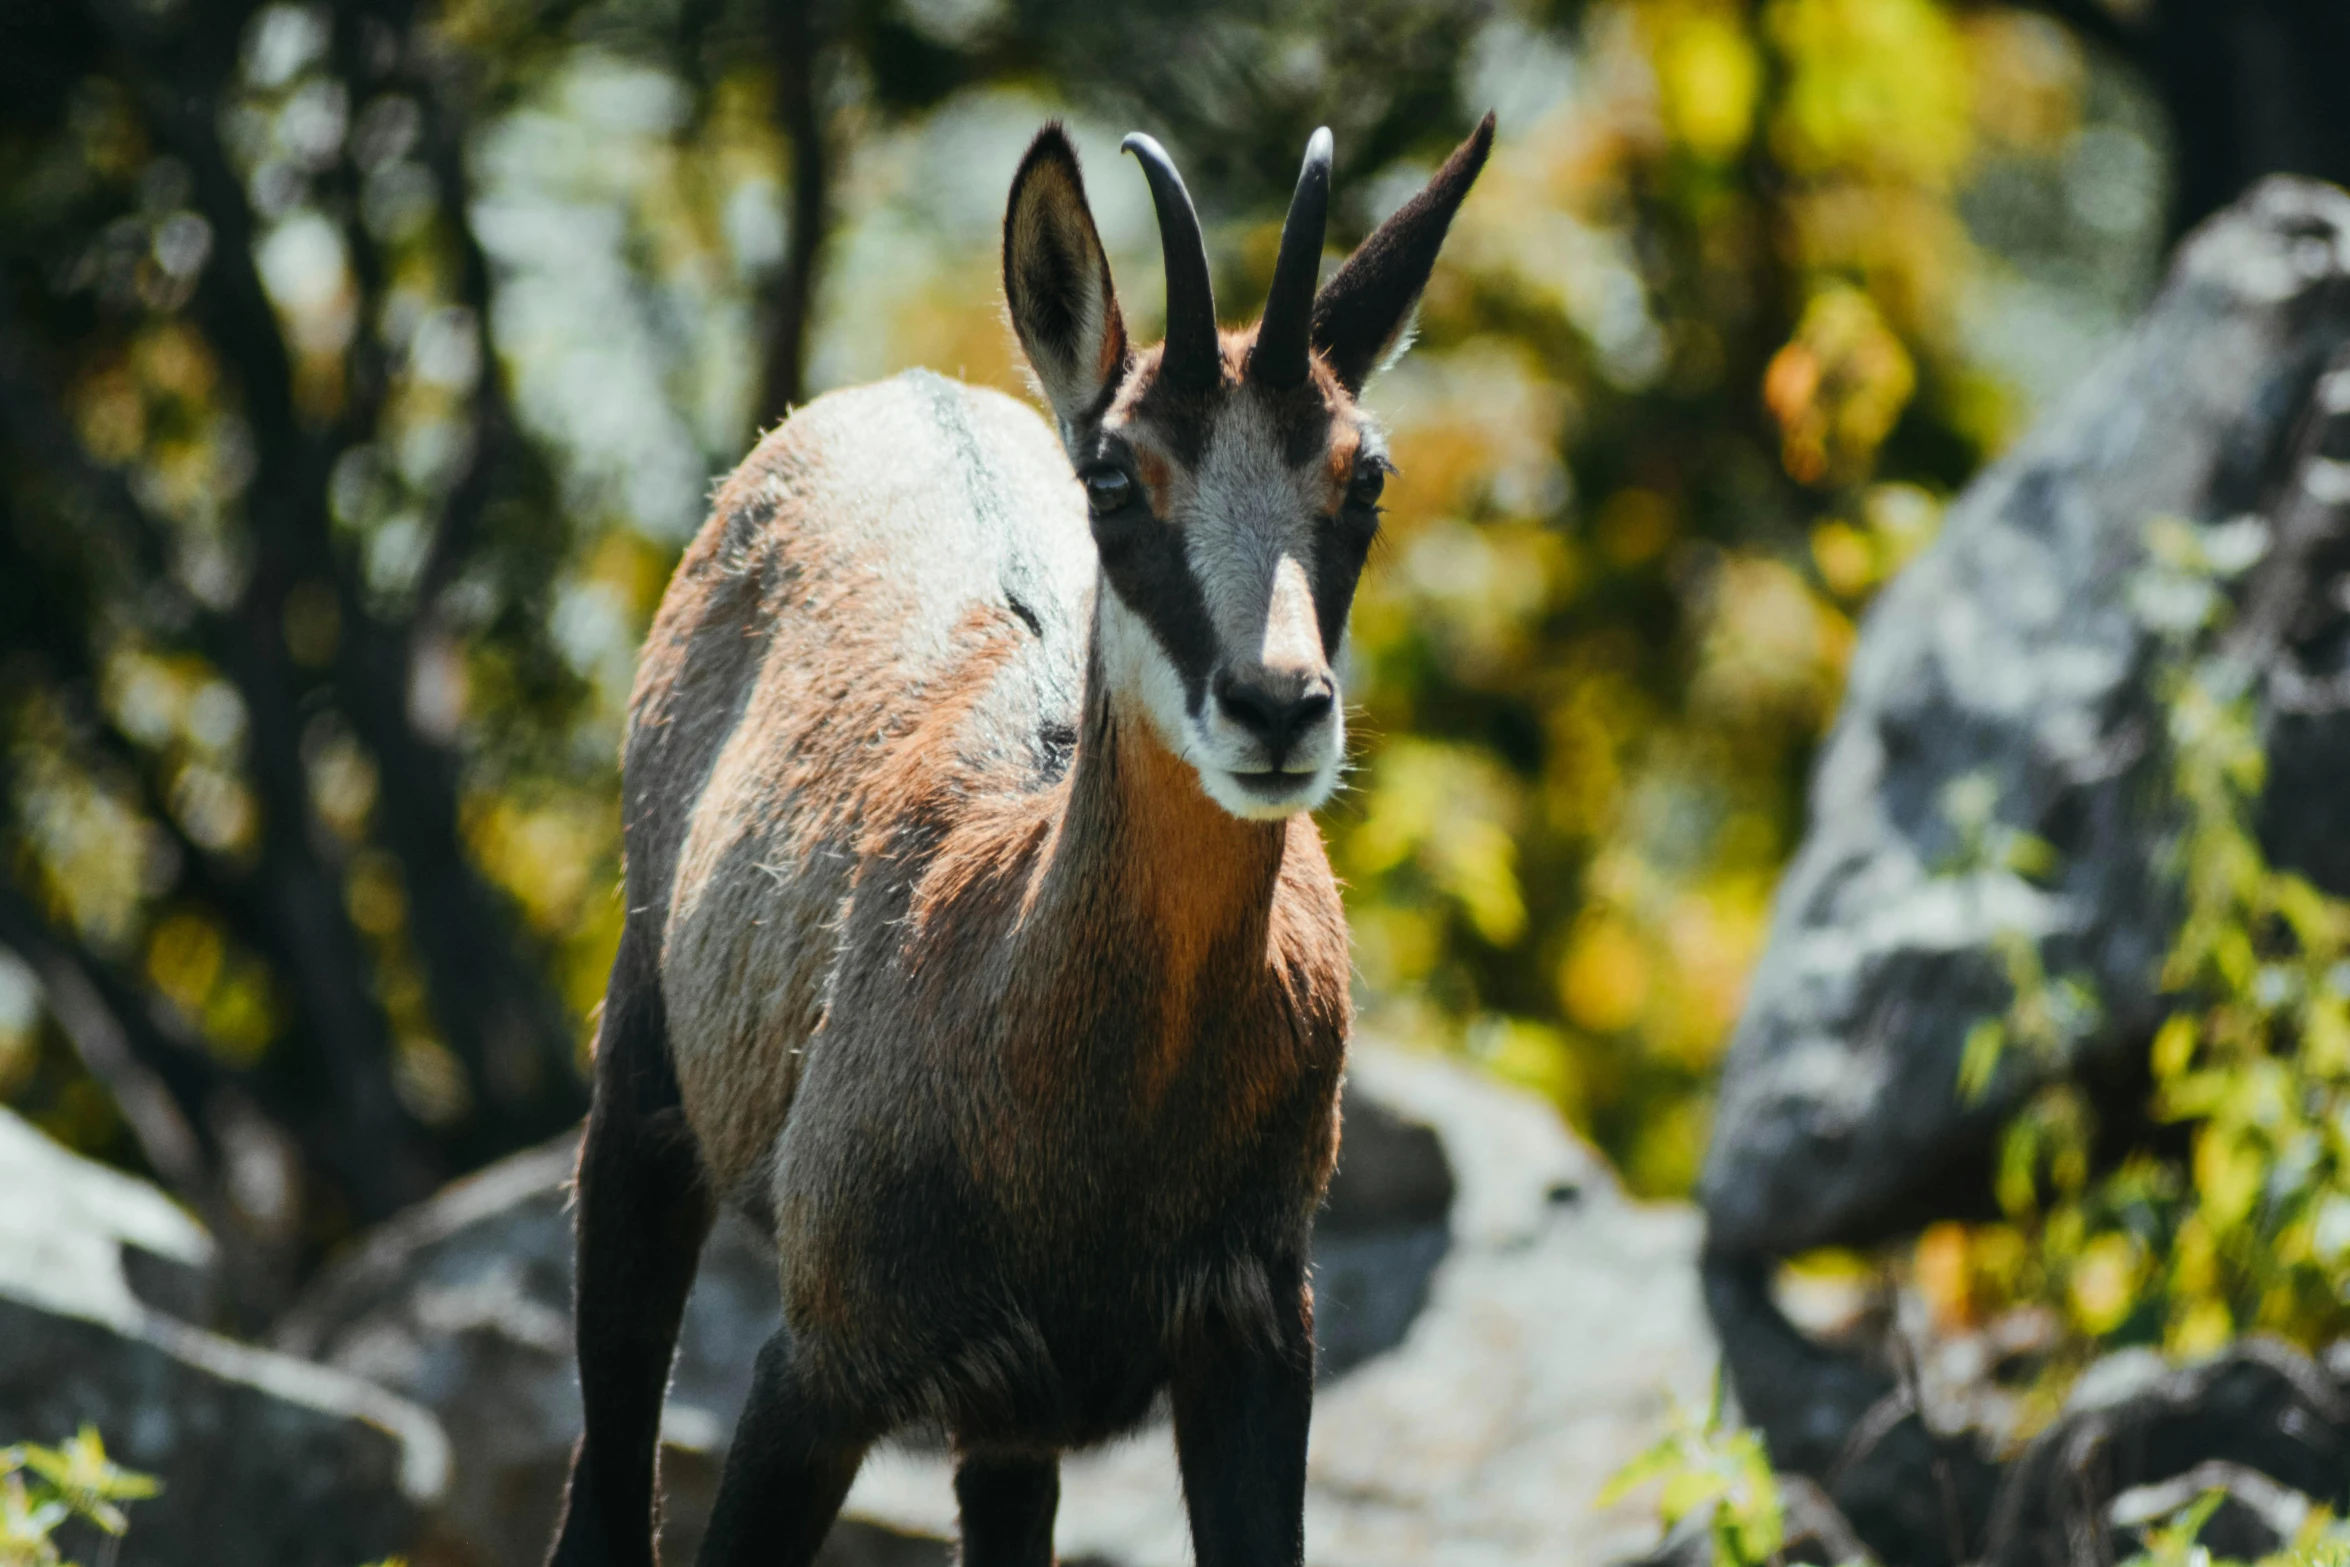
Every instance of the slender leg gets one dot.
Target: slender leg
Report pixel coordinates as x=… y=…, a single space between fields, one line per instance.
x=1007 y=1503
x=643 y=1213
x=786 y=1474
x=1242 y=1405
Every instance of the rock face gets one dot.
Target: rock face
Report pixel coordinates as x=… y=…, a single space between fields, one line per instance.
x=2263 y=1409
x=2019 y=657
x=1501 y=1328
x=2017 y=649
x=263 y=1459
x=463 y=1304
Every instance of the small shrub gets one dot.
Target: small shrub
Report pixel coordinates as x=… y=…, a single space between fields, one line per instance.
x=46 y=1489
x=1713 y=1471
x=2250 y=1230
x=2322 y=1542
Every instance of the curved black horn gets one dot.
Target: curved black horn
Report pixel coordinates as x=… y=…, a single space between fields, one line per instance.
x=1191 y=357
x=1279 y=358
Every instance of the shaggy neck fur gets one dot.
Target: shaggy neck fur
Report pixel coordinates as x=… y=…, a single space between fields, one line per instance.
x=1143 y=922
x=1138 y=821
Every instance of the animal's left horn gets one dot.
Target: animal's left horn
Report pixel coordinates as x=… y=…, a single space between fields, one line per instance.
x=1191 y=356
x=1279 y=358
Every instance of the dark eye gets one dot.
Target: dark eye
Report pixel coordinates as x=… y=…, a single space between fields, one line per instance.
x=1369 y=479
x=1107 y=490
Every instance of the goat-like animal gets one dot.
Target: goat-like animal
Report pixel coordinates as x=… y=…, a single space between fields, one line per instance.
x=976 y=938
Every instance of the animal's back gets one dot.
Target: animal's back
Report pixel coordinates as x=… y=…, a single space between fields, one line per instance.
x=887 y=609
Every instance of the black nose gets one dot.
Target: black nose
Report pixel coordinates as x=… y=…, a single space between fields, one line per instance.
x=1275 y=705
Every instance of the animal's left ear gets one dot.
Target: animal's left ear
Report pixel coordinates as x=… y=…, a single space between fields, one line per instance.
x=1057 y=282
x=1362 y=312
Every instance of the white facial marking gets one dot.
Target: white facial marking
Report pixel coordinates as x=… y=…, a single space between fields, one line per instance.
x=1293 y=636
x=1140 y=673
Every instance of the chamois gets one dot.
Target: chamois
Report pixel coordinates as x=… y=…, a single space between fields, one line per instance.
x=977 y=939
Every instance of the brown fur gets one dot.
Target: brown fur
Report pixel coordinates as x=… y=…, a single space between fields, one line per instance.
x=976 y=937
x=858 y=846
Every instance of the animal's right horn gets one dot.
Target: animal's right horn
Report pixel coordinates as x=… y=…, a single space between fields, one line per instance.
x=1191 y=357
x=1279 y=358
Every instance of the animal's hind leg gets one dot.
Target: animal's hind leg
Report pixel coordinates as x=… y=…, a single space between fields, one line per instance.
x=1007 y=1503
x=644 y=1210
x=786 y=1475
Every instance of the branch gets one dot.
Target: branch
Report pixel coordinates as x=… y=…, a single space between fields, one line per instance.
x=493 y=1008
x=160 y=1083
x=40 y=427
x=380 y=1154
x=795 y=40
x=458 y=526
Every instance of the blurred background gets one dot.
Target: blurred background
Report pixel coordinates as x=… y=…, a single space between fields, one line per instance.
x=364 y=366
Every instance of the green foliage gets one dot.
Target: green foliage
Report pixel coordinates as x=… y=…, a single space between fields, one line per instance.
x=1720 y=1474
x=1625 y=561
x=2322 y=1542
x=2250 y=1229
x=45 y=1489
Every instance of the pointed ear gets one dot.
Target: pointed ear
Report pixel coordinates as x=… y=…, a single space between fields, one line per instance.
x=1361 y=314
x=1057 y=282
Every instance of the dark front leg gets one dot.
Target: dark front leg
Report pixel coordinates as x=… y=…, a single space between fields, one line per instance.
x=1007 y=1504
x=1244 y=1395
x=790 y=1468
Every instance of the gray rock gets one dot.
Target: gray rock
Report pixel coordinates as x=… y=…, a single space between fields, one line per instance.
x=1560 y=1323
x=2263 y=1419
x=1917 y=1495
x=1502 y=1328
x=2018 y=648
x=463 y=1304
x=263 y=1459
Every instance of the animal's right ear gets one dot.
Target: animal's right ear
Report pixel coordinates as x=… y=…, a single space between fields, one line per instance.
x=1363 y=315
x=1057 y=282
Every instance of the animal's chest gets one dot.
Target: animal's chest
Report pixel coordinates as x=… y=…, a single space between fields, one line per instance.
x=1038 y=1151
x=1033 y=1168
x=1043 y=1293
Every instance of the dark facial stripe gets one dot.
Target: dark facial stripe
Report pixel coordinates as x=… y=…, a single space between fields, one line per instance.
x=1337 y=567
x=1144 y=559
x=1301 y=420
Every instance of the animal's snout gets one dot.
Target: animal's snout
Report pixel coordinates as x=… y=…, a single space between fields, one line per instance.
x=1276 y=707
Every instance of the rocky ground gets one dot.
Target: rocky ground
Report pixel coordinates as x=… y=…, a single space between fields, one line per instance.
x=263 y=1458
x=1501 y=1326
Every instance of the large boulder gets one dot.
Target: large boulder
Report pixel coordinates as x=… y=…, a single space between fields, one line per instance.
x=2022 y=657
x=463 y=1304
x=2018 y=650
x=263 y=1459
x=1501 y=1327
x=2262 y=1412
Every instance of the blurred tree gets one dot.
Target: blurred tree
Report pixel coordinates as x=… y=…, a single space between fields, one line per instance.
x=2252 y=87
x=2249 y=86
x=305 y=804
x=244 y=310
x=363 y=365
x=1726 y=323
